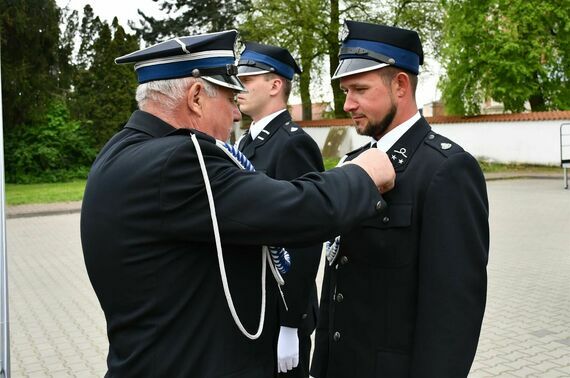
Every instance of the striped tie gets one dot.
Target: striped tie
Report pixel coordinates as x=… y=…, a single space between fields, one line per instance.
x=280 y=256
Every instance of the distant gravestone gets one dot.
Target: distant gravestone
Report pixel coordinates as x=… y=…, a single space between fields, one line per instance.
x=337 y=143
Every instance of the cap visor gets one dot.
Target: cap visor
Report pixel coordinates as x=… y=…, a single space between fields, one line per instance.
x=249 y=71
x=349 y=67
x=227 y=81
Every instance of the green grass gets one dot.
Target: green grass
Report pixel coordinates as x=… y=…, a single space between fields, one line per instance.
x=489 y=167
x=19 y=194
x=330 y=162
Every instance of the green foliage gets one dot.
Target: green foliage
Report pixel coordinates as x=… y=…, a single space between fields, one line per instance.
x=310 y=29
x=29 y=32
x=104 y=91
x=53 y=149
x=295 y=25
x=510 y=51
x=66 y=47
x=330 y=162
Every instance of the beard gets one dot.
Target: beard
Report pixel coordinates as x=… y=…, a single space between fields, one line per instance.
x=377 y=128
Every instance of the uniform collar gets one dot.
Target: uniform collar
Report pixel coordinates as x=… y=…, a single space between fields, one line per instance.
x=401 y=152
x=152 y=125
x=282 y=119
x=396 y=133
x=256 y=127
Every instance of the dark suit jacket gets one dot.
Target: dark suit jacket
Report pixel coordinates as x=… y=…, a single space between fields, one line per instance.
x=148 y=246
x=283 y=151
x=406 y=295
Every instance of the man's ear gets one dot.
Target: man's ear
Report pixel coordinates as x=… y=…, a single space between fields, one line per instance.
x=276 y=85
x=401 y=84
x=195 y=99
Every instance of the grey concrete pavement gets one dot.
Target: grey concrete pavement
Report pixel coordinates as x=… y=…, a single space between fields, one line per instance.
x=526 y=329
x=58 y=329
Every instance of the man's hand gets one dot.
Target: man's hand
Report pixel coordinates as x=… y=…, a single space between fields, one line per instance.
x=287 y=349
x=378 y=166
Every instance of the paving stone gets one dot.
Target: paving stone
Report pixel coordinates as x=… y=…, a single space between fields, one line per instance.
x=542 y=333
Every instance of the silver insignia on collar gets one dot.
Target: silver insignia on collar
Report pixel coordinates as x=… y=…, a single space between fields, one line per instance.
x=445 y=146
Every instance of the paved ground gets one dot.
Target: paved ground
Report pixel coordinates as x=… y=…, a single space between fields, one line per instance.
x=58 y=329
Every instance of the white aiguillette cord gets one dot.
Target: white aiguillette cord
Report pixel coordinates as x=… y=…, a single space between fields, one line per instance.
x=264 y=255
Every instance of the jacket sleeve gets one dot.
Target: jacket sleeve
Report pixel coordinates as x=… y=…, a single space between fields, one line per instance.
x=452 y=274
x=253 y=209
x=299 y=155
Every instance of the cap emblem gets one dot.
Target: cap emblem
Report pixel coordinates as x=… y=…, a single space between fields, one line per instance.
x=344 y=32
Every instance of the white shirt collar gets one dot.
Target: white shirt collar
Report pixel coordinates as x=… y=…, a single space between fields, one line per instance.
x=256 y=127
x=396 y=133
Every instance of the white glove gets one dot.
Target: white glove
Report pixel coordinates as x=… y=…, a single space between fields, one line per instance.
x=287 y=349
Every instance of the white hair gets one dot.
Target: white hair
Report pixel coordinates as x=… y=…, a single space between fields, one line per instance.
x=169 y=92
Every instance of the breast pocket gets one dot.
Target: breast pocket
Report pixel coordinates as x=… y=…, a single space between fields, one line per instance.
x=390 y=238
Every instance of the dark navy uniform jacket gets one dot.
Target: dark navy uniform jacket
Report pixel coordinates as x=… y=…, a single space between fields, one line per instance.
x=283 y=151
x=149 y=248
x=406 y=294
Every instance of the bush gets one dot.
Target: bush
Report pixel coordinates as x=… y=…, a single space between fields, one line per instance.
x=54 y=150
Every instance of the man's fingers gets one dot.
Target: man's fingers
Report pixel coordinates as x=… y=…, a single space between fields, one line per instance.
x=378 y=166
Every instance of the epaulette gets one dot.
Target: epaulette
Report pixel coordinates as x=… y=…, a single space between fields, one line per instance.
x=441 y=144
x=291 y=127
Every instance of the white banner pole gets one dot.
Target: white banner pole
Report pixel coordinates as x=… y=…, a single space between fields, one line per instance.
x=5 y=334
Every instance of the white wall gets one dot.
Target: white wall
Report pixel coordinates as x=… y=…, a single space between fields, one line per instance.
x=530 y=142
x=536 y=142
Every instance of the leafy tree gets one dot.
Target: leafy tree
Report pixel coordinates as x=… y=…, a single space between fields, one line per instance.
x=104 y=91
x=190 y=17
x=29 y=32
x=66 y=46
x=292 y=24
x=511 y=51
x=311 y=29
x=88 y=32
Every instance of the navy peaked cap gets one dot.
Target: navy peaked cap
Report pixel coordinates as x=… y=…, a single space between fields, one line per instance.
x=366 y=47
x=208 y=56
x=259 y=59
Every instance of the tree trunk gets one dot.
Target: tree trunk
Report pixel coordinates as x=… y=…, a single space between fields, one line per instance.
x=537 y=102
x=304 y=83
x=334 y=48
x=304 y=86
